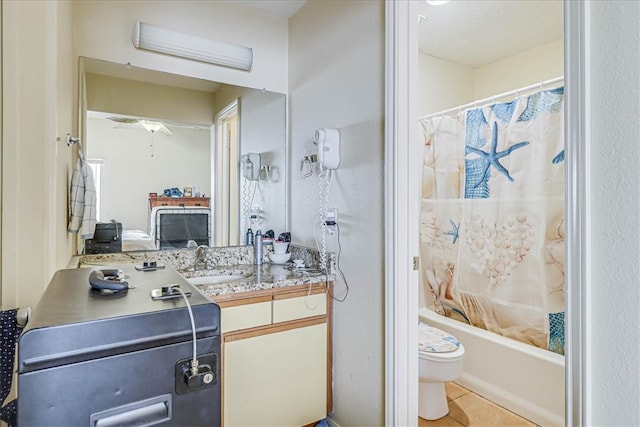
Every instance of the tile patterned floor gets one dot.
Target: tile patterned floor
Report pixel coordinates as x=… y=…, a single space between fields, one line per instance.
x=469 y=409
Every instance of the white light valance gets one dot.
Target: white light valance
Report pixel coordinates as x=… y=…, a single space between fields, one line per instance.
x=158 y=39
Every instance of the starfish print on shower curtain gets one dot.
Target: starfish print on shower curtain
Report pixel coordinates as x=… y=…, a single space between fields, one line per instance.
x=454 y=232
x=492 y=157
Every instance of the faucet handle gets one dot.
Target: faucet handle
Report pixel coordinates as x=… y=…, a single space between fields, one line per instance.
x=201 y=251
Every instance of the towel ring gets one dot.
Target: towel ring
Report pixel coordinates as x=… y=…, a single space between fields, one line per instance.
x=72 y=140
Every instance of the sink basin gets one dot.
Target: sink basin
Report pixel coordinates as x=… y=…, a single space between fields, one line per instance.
x=212 y=280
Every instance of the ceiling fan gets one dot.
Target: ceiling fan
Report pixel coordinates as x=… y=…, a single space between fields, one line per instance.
x=151 y=125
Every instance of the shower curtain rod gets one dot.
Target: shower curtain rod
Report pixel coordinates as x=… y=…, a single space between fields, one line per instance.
x=482 y=102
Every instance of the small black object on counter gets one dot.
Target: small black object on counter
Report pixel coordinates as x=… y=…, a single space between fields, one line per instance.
x=285 y=237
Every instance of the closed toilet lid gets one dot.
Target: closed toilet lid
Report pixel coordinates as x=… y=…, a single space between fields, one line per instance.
x=433 y=340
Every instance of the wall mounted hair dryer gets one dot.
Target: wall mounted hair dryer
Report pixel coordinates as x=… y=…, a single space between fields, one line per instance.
x=251 y=166
x=328 y=141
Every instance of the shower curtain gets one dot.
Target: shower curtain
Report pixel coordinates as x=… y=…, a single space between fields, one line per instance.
x=492 y=217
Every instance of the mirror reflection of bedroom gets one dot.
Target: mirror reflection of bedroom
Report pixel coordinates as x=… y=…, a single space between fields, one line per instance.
x=165 y=152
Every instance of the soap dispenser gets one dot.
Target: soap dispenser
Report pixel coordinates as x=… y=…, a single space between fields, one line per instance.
x=257 y=248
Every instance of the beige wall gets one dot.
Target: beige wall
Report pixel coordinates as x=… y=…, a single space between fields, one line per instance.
x=447 y=85
x=336 y=80
x=102 y=30
x=38 y=89
x=532 y=66
x=141 y=99
x=442 y=84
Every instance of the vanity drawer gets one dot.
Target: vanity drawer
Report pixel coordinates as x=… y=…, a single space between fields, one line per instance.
x=248 y=315
x=299 y=305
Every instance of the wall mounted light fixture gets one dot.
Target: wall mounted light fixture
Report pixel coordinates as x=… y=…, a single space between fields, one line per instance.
x=158 y=39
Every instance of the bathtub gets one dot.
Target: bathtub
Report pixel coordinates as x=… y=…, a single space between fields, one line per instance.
x=524 y=379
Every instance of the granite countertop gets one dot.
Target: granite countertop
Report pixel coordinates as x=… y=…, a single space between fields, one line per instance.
x=230 y=270
x=249 y=277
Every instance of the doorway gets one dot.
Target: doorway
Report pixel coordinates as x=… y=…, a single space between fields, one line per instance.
x=225 y=175
x=402 y=240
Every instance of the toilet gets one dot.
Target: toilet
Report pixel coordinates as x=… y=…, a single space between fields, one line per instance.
x=439 y=360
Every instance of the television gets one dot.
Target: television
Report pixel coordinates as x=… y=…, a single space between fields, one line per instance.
x=174 y=228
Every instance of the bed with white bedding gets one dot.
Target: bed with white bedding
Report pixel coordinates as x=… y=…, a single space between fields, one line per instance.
x=137 y=240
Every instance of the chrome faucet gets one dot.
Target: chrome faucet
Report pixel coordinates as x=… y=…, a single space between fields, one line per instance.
x=201 y=258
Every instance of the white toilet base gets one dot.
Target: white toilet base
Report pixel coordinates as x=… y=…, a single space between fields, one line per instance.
x=432 y=401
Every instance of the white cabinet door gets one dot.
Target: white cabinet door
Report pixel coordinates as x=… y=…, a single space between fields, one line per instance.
x=277 y=379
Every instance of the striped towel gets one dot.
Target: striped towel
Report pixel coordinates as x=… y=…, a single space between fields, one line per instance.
x=82 y=198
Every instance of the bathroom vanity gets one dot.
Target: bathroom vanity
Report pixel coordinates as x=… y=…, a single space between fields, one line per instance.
x=276 y=356
x=276 y=343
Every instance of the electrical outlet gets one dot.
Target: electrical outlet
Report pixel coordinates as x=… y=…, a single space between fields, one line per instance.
x=254 y=215
x=331 y=216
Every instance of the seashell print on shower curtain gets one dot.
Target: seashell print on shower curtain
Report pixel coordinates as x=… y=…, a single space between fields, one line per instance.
x=492 y=217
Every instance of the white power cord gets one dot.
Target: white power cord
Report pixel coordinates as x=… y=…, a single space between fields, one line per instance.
x=344 y=279
x=324 y=184
x=194 y=361
x=248 y=194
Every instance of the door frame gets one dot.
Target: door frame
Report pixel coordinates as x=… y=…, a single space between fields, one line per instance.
x=401 y=224
x=224 y=174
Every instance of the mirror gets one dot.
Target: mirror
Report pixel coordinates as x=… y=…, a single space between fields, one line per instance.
x=147 y=133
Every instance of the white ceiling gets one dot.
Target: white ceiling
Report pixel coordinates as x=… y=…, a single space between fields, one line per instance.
x=478 y=32
x=280 y=8
x=467 y=32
